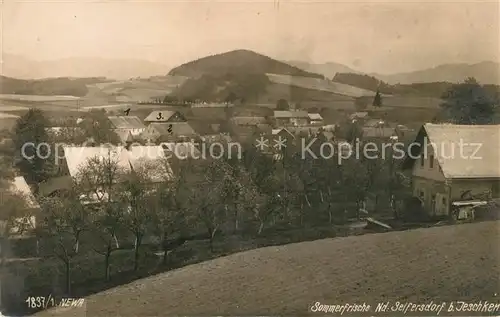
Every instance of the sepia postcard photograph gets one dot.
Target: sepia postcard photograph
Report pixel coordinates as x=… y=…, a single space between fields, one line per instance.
x=249 y=158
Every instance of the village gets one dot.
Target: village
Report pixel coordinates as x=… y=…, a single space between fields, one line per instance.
x=139 y=184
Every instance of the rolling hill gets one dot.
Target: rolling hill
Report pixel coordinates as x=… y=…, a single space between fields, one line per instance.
x=484 y=72
x=253 y=77
x=440 y=264
x=237 y=62
x=47 y=87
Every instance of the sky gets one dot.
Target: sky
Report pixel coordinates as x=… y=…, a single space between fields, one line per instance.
x=371 y=36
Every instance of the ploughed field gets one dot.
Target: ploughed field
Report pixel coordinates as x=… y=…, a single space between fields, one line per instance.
x=449 y=263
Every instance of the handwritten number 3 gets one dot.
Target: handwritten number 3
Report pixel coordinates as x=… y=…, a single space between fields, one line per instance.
x=160 y=116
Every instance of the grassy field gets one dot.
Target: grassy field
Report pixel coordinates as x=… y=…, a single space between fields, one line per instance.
x=36 y=97
x=320 y=84
x=449 y=263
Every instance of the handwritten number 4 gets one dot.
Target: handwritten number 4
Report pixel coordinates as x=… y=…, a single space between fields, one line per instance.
x=127 y=111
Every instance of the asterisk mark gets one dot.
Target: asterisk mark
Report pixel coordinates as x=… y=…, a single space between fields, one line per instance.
x=262 y=143
x=280 y=143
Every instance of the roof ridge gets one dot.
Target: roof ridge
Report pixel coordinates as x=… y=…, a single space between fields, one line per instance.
x=445 y=125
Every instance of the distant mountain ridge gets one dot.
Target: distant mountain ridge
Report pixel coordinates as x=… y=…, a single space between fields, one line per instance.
x=328 y=69
x=485 y=72
x=79 y=67
x=48 y=87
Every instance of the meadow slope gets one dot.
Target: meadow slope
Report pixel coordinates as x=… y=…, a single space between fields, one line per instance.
x=441 y=264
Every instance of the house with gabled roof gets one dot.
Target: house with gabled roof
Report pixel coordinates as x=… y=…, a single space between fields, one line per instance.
x=130 y=124
x=149 y=159
x=204 y=129
x=282 y=135
x=169 y=132
x=290 y=117
x=363 y=115
x=453 y=163
x=125 y=136
x=165 y=116
x=77 y=156
x=315 y=119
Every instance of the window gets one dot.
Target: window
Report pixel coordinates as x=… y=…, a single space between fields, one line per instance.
x=422 y=161
x=431 y=161
x=444 y=201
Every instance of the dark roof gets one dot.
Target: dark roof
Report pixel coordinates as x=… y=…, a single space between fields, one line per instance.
x=162 y=115
x=291 y=114
x=252 y=120
x=202 y=128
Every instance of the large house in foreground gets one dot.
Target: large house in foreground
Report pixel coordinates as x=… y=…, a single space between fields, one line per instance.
x=454 y=163
x=149 y=159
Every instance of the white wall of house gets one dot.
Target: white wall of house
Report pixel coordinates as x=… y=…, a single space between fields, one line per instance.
x=427 y=166
x=134 y=132
x=430 y=185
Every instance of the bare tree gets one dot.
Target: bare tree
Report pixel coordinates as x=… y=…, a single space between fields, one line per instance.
x=208 y=198
x=137 y=193
x=169 y=217
x=98 y=179
x=65 y=221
